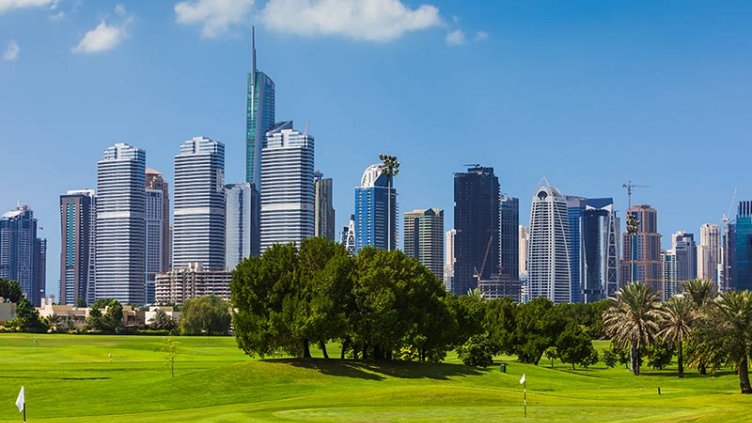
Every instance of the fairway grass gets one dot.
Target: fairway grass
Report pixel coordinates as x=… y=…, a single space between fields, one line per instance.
x=74 y=378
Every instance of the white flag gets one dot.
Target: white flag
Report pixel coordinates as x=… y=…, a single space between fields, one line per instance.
x=20 y=401
x=522 y=379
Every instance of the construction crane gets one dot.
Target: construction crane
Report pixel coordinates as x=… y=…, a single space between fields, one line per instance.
x=725 y=217
x=629 y=186
x=478 y=274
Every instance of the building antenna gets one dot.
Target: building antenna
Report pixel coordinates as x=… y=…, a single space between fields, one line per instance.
x=253 y=53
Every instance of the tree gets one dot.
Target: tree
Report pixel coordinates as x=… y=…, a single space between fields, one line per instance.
x=161 y=321
x=27 y=317
x=633 y=321
x=676 y=326
x=659 y=355
x=701 y=294
x=609 y=358
x=469 y=311
x=574 y=346
x=500 y=322
x=170 y=348
x=476 y=351
x=538 y=323
x=206 y=315
x=726 y=332
x=109 y=322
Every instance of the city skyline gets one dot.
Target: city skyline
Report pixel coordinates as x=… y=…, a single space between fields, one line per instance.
x=600 y=103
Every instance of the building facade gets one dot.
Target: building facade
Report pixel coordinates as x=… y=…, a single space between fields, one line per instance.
x=641 y=260
x=685 y=249
x=476 y=220
x=599 y=250
x=375 y=211
x=191 y=281
x=260 y=106
x=241 y=223
x=78 y=215
x=155 y=239
x=199 y=213
x=709 y=254
x=575 y=214
x=287 y=197
x=742 y=252
x=22 y=254
x=424 y=238
x=121 y=225
x=509 y=245
x=548 y=248
x=449 y=259
x=323 y=209
x=155 y=181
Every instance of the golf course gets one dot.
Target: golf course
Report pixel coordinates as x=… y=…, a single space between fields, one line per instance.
x=74 y=378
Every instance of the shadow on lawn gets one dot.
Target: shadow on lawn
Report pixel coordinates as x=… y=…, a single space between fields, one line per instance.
x=379 y=370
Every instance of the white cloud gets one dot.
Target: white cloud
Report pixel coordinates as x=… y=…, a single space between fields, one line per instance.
x=6 y=5
x=57 y=17
x=368 y=20
x=104 y=37
x=481 y=36
x=455 y=38
x=120 y=10
x=215 y=16
x=11 y=51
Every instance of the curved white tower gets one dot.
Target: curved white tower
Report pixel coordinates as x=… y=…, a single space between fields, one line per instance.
x=548 y=247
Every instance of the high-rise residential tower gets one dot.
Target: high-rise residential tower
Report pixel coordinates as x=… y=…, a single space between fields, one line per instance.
x=287 y=199
x=78 y=215
x=449 y=259
x=476 y=220
x=199 y=208
x=22 y=254
x=599 y=250
x=259 y=117
x=523 y=243
x=709 y=254
x=685 y=248
x=509 y=243
x=157 y=229
x=575 y=214
x=241 y=223
x=155 y=181
x=642 y=249
x=548 y=249
x=121 y=225
x=372 y=210
x=424 y=238
x=323 y=206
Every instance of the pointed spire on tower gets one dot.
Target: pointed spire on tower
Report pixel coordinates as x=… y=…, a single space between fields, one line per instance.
x=253 y=52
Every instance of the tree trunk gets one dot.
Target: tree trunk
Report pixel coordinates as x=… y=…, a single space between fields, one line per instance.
x=345 y=346
x=572 y=366
x=679 y=359
x=322 y=345
x=635 y=355
x=306 y=349
x=744 y=376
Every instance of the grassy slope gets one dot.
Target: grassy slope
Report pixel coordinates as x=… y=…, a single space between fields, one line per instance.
x=70 y=378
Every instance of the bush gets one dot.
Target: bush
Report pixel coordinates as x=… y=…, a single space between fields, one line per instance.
x=477 y=351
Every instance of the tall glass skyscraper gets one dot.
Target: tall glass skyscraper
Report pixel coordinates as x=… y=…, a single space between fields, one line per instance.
x=121 y=225
x=509 y=244
x=742 y=254
x=575 y=213
x=78 y=214
x=424 y=238
x=599 y=250
x=157 y=229
x=323 y=206
x=22 y=254
x=241 y=223
x=372 y=210
x=259 y=118
x=548 y=259
x=476 y=220
x=199 y=210
x=287 y=199
x=709 y=254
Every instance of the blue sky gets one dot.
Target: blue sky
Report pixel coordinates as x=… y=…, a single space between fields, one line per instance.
x=586 y=93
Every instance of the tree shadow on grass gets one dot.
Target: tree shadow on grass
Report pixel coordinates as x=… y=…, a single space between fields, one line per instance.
x=688 y=373
x=372 y=370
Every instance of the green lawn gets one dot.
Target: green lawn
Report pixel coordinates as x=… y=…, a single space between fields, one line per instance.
x=70 y=378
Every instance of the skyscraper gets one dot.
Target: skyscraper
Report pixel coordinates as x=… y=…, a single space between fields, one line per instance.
x=476 y=220
x=323 y=206
x=575 y=213
x=241 y=223
x=199 y=221
x=121 y=225
x=449 y=259
x=509 y=245
x=78 y=215
x=259 y=117
x=372 y=209
x=22 y=254
x=742 y=254
x=548 y=249
x=642 y=250
x=287 y=199
x=348 y=235
x=424 y=238
x=523 y=243
x=157 y=229
x=600 y=250
x=709 y=254
x=685 y=248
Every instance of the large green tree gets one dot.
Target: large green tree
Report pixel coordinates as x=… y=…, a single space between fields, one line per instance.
x=206 y=315
x=538 y=324
x=634 y=320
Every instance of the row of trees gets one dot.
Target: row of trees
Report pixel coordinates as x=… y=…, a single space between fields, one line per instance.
x=27 y=318
x=707 y=328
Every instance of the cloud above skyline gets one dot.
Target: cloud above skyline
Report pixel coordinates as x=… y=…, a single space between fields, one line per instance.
x=11 y=51
x=7 y=5
x=216 y=17
x=104 y=37
x=363 y=20
x=455 y=38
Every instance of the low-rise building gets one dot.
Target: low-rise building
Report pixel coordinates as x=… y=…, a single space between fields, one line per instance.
x=178 y=285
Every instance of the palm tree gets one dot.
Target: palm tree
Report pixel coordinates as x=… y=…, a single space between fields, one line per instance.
x=677 y=325
x=727 y=333
x=633 y=321
x=701 y=293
